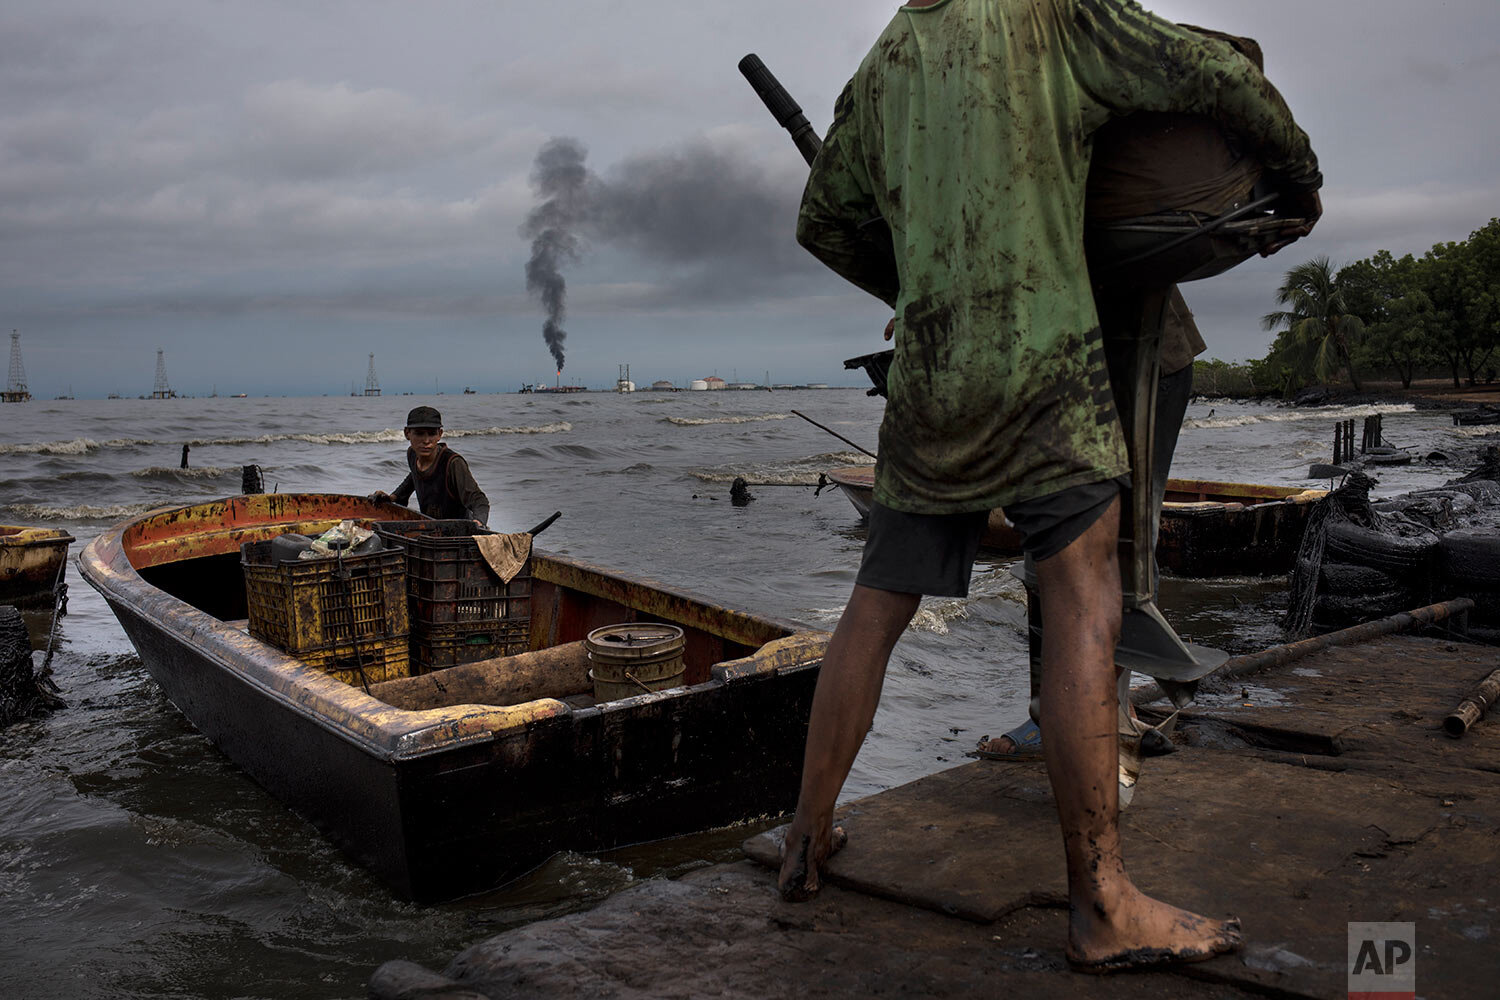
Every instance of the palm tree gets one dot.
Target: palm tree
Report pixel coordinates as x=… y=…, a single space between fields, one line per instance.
x=1315 y=319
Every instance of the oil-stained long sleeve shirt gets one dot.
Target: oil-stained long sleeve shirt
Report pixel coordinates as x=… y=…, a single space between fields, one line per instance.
x=967 y=128
x=448 y=490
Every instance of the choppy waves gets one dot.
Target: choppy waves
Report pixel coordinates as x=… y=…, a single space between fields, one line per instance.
x=1287 y=415
x=794 y=472
x=204 y=472
x=1474 y=430
x=84 y=446
x=937 y=614
x=701 y=421
x=556 y=427
x=81 y=512
x=77 y=446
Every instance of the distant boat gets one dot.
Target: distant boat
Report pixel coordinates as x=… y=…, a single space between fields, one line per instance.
x=238 y=395
x=1479 y=417
x=468 y=391
x=1207 y=528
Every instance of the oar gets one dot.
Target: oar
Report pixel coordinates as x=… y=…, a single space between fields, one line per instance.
x=543 y=526
x=834 y=433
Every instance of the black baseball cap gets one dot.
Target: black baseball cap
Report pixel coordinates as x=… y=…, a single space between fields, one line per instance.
x=424 y=417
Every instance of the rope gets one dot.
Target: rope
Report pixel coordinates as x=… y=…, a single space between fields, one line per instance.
x=1350 y=502
x=343 y=575
x=47 y=686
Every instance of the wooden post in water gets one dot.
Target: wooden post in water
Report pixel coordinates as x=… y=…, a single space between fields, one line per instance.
x=1343 y=441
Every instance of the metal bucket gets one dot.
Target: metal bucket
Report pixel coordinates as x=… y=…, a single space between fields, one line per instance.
x=635 y=658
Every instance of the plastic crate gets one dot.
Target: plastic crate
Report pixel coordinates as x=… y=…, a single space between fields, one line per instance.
x=434 y=647
x=365 y=662
x=448 y=579
x=328 y=611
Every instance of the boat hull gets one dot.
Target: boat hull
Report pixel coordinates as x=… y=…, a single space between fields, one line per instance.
x=448 y=801
x=32 y=563
x=1207 y=528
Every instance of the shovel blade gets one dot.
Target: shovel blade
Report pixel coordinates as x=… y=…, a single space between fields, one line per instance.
x=1150 y=646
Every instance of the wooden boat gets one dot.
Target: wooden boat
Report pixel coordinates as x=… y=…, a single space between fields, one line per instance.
x=452 y=782
x=32 y=564
x=1477 y=417
x=1207 y=528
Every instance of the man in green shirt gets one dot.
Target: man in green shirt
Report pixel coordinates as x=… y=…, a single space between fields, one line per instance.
x=967 y=130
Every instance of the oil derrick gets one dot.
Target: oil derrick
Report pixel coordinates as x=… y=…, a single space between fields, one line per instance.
x=15 y=386
x=160 y=389
x=372 y=383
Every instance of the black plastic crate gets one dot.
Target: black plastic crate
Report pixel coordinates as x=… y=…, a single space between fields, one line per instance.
x=448 y=580
x=434 y=647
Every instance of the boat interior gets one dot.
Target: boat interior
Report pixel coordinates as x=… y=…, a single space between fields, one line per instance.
x=569 y=599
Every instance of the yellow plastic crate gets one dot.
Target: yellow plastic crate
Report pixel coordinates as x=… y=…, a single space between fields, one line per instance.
x=320 y=610
x=365 y=663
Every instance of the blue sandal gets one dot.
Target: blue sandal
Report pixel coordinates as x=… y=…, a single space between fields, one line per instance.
x=1025 y=738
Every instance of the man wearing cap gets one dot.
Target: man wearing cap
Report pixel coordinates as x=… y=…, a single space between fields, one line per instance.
x=440 y=477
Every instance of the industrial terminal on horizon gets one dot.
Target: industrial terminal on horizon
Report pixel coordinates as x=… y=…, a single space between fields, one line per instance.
x=707 y=384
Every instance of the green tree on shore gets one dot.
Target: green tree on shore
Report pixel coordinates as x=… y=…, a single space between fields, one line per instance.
x=1413 y=314
x=1477 y=267
x=1316 y=330
x=1400 y=325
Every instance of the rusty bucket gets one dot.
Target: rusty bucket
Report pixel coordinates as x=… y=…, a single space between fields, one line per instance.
x=635 y=658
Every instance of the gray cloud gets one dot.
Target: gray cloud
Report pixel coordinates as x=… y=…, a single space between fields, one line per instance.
x=191 y=174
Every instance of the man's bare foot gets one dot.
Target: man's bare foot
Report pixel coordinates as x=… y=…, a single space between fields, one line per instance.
x=1022 y=743
x=803 y=854
x=1138 y=932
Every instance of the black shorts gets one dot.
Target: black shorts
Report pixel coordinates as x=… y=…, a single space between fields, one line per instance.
x=934 y=553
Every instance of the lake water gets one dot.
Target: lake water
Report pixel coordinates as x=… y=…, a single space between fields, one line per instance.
x=135 y=861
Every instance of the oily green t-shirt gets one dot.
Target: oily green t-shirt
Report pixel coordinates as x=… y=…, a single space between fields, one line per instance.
x=967 y=128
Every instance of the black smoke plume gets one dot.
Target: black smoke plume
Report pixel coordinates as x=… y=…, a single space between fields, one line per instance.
x=561 y=179
x=717 y=222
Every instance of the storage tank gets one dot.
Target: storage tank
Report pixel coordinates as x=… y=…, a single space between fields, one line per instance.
x=698 y=385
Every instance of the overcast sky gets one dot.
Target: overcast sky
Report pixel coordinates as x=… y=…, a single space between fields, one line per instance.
x=271 y=191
